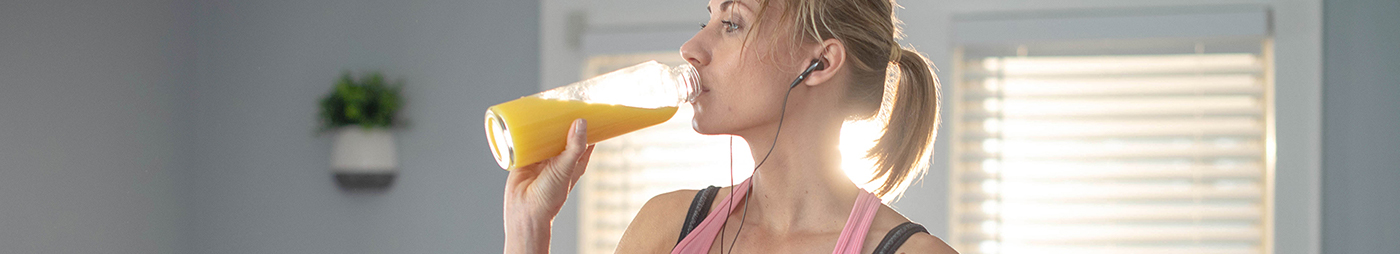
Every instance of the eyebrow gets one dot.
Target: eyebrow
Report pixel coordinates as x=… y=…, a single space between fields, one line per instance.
x=722 y=6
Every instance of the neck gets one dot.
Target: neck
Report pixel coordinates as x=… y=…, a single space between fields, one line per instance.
x=801 y=184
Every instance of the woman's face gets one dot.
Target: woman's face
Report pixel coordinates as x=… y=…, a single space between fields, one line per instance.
x=744 y=70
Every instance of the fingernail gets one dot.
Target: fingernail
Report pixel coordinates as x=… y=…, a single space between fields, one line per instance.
x=580 y=126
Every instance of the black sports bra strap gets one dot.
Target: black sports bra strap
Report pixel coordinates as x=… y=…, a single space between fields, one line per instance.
x=699 y=209
x=897 y=236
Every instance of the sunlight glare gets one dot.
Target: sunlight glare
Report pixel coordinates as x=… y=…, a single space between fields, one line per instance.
x=857 y=137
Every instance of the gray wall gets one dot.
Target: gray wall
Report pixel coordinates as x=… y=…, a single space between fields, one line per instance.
x=260 y=181
x=1361 y=127
x=89 y=125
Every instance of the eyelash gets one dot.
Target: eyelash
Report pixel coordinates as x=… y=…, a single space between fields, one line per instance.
x=730 y=26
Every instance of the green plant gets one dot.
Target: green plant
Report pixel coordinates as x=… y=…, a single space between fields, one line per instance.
x=369 y=102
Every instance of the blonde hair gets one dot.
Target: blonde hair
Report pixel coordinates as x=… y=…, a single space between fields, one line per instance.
x=870 y=33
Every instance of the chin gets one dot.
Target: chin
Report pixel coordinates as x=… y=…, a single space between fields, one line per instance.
x=697 y=122
x=706 y=125
x=699 y=127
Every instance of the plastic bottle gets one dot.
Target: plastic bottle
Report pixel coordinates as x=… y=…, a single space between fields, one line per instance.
x=533 y=128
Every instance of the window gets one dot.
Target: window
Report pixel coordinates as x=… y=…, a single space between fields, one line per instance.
x=1111 y=146
x=628 y=170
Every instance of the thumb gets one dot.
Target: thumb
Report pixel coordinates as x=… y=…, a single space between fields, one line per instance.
x=576 y=143
x=580 y=166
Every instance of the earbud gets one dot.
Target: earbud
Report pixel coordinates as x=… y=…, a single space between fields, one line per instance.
x=817 y=64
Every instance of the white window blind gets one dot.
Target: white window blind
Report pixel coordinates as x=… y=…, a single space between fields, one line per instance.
x=628 y=170
x=1135 y=146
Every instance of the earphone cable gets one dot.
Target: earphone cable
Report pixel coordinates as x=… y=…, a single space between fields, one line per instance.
x=749 y=193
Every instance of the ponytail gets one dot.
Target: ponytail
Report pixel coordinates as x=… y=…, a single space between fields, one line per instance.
x=870 y=33
x=907 y=140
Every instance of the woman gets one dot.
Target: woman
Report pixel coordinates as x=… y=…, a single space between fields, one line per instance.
x=798 y=200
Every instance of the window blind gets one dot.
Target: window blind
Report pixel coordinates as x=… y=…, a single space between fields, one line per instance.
x=1152 y=147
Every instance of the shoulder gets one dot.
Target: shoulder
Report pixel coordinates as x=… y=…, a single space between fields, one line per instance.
x=667 y=203
x=658 y=224
x=658 y=213
x=675 y=204
x=672 y=207
x=888 y=218
x=925 y=243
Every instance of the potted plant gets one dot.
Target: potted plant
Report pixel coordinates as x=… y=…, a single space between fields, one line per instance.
x=361 y=114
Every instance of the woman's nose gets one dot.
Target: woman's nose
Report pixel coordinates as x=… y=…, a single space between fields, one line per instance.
x=696 y=50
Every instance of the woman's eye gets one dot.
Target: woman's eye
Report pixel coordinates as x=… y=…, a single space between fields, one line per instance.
x=729 y=26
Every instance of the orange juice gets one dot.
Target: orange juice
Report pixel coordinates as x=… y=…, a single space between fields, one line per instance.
x=531 y=129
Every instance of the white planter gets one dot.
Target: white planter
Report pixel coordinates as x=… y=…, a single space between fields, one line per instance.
x=363 y=158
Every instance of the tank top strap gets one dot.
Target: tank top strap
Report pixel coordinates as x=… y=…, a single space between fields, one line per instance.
x=851 y=240
x=703 y=236
x=858 y=224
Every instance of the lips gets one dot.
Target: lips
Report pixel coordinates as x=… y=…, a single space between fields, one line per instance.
x=696 y=98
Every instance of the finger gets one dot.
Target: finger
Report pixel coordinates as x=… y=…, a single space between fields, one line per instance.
x=581 y=166
x=574 y=146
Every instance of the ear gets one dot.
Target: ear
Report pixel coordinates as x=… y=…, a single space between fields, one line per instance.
x=833 y=55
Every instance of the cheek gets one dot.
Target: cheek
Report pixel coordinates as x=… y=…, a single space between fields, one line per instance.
x=732 y=107
x=742 y=90
x=715 y=110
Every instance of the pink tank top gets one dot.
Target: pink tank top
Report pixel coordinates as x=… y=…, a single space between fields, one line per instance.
x=852 y=235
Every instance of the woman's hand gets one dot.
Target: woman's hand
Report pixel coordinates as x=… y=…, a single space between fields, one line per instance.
x=535 y=193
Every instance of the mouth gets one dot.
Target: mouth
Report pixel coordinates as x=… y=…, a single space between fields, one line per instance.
x=696 y=98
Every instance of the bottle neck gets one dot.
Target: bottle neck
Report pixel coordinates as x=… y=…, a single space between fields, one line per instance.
x=687 y=82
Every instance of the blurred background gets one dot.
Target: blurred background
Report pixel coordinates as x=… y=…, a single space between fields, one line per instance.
x=1083 y=126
